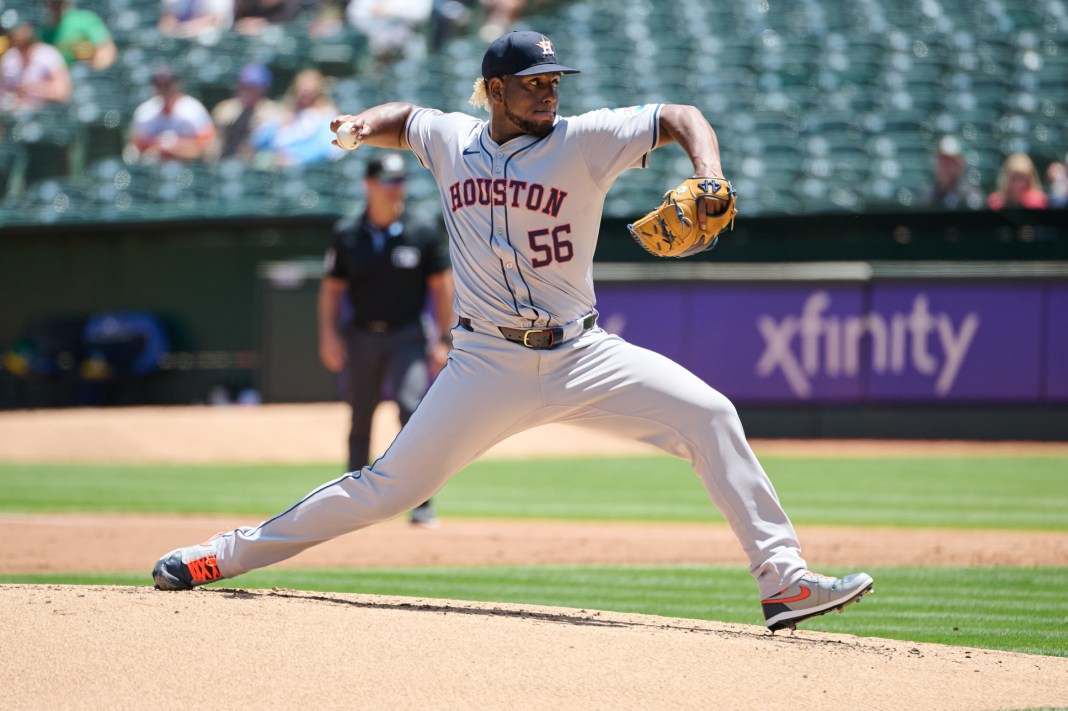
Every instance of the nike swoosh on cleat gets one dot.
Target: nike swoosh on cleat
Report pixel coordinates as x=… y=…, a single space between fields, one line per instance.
x=803 y=595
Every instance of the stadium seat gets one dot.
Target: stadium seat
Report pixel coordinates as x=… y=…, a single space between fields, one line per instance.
x=12 y=169
x=869 y=82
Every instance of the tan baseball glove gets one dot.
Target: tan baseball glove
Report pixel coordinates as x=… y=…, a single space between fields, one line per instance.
x=674 y=230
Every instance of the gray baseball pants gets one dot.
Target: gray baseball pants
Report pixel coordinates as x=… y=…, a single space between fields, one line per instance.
x=492 y=389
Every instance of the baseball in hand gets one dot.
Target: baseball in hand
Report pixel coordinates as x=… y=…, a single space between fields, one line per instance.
x=346 y=136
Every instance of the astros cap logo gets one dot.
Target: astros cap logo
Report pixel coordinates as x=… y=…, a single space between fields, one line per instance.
x=546 y=47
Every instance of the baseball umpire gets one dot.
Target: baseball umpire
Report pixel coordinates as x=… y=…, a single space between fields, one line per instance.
x=522 y=195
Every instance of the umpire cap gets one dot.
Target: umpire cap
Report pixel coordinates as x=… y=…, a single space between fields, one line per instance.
x=387 y=168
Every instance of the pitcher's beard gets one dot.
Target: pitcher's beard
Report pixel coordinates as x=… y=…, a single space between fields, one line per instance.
x=540 y=130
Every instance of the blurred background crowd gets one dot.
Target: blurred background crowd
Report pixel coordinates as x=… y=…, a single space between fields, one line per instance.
x=162 y=109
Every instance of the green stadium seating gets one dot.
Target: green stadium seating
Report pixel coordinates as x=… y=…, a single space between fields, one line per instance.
x=818 y=105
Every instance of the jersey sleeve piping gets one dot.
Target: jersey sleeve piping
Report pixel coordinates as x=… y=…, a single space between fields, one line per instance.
x=408 y=138
x=656 y=135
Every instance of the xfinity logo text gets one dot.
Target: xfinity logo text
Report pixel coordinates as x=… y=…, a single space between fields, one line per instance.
x=815 y=343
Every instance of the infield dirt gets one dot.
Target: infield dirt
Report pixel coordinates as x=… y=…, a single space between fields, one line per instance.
x=101 y=647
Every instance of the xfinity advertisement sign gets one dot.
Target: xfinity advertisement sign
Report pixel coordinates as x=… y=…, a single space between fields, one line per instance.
x=893 y=342
x=816 y=342
x=978 y=343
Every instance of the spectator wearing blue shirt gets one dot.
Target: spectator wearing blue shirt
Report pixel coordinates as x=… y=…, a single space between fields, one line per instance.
x=301 y=134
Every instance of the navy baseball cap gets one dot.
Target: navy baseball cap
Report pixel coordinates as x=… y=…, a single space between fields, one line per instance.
x=521 y=54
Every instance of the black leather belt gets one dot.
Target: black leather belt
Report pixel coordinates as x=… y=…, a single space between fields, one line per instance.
x=539 y=339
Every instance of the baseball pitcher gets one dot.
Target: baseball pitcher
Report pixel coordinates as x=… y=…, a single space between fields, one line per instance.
x=522 y=195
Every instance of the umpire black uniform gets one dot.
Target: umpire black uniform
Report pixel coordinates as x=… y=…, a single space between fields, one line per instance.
x=385 y=266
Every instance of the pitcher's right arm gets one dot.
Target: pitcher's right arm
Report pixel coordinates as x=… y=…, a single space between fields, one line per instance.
x=380 y=126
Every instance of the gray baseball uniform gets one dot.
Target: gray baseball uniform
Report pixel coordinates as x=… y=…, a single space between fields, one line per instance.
x=523 y=219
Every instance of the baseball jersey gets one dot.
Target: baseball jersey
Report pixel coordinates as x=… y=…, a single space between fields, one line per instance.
x=523 y=217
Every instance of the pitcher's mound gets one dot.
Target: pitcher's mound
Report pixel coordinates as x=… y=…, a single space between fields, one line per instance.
x=127 y=647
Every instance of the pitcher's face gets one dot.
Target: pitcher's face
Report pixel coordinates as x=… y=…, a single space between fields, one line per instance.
x=530 y=103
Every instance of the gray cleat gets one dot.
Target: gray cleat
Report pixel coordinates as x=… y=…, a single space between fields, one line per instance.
x=813 y=594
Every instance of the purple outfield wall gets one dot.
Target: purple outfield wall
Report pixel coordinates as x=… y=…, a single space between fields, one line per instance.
x=876 y=342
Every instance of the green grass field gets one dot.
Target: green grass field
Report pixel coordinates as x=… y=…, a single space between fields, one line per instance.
x=969 y=492
x=1015 y=609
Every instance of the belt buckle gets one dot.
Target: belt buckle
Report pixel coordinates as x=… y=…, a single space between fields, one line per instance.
x=539 y=331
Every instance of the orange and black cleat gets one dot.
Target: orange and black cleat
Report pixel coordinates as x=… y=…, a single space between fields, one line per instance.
x=186 y=568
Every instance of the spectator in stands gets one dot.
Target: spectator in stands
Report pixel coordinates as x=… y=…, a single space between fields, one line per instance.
x=394 y=28
x=1057 y=176
x=80 y=35
x=327 y=18
x=952 y=190
x=251 y=17
x=301 y=134
x=448 y=18
x=238 y=117
x=501 y=17
x=170 y=125
x=195 y=18
x=1018 y=185
x=33 y=74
